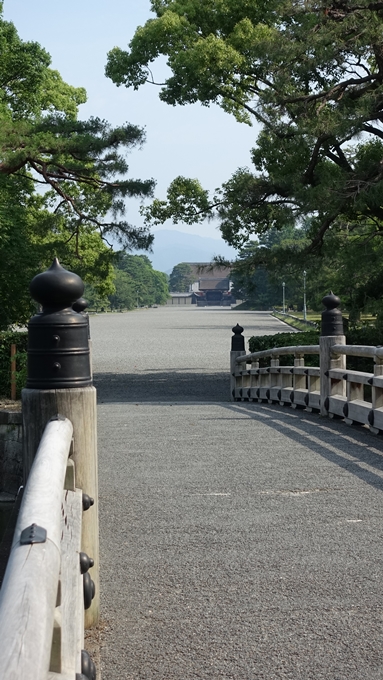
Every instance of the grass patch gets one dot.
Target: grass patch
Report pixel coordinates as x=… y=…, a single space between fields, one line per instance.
x=298 y=324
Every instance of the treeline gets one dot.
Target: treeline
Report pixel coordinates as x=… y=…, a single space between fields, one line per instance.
x=348 y=265
x=310 y=76
x=59 y=195
x=136 y=284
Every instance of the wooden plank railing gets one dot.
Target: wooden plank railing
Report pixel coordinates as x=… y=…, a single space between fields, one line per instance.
x=41 y=599
x=295 y=385
x=331 y=389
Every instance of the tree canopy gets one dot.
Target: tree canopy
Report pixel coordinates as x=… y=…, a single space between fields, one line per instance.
x=137 y=283
x=181 y=278
x=81 y=162
x=63 y=182
x=310 y=73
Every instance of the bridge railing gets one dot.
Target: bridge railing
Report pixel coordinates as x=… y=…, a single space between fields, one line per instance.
x=42 y=595
x=47 y=585
x=357 y=396
x=295 y=385
x=331 y=388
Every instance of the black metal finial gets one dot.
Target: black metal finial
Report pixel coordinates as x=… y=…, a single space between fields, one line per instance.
x=58 y=345
x=332 y=322
x=56 y=288
x=237 y=341
x=80 y=305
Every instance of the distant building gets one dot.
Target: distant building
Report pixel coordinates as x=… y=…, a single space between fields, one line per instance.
x=212 y=287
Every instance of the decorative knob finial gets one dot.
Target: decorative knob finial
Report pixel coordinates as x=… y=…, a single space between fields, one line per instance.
x=80 y=305
x=237 y=341
x=332 y=321
x=56 y=288
x=331 y=301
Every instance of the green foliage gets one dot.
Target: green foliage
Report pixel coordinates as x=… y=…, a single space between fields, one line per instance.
x=137 y=283
x=78 y=160
x=278 y=256
x=30 y=236
x=125 y=295
x=262 y=342
x=296 y=322
x=186 y=201
x=82 y=168
x=256 y=288
x=310 y=74
x=6 y=340
x=365 y=335
x=181 y=278
x=19 y=260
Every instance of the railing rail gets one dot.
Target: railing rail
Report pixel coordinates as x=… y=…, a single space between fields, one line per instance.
x=368 y=351
x=332 y=388
x=31 y=640
x=278 y=351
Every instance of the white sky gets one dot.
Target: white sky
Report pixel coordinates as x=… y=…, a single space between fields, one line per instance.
x=193 y=141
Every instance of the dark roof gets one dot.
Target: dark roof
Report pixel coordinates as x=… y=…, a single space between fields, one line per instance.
x=204 y=270
x=214 y=284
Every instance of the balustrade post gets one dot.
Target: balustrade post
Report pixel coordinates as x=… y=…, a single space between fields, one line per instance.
x=331 y=334
x=60 y=382
x=237 y=349
x=377 y=392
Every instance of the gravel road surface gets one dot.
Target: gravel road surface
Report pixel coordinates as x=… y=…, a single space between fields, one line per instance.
x=238 y=540
x=162 y=353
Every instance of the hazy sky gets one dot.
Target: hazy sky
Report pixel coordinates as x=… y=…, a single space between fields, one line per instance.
x=193 y=141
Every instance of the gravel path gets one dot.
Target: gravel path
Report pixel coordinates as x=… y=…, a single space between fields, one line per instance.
x=169 y=353
x=238 y=540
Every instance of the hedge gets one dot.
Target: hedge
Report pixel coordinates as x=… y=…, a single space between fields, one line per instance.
x=20 y=339
x=366 y=335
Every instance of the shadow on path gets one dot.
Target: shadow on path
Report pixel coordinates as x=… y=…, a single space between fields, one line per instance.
x=349 y=448
x=192 y=385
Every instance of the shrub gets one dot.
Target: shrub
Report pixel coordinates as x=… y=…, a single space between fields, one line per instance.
x=20 y=339
x=262 y=342
x=365 y=335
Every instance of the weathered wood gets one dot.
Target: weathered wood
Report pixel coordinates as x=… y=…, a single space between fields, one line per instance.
x=328 y=362
x=353 y=376
x=300 y=395
x=70 y=476
x=72 y=604
x=313 y=370
x=337 y=373
x=13 y=372
x=55 y=660
x=353 y=350
x=336 y=405
x=79 y=405
x=359 y=377
x=300 y=370
x=378 y=420
x=286 y=394
x=314 y=400
x=274 y=393
x=354 y=390
x=377 y=391
x=235 y=373
x=358 y=411
x=29 y=590
x=279 y=351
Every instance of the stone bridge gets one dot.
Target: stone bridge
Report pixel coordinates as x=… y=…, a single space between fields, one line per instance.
x=238 y=540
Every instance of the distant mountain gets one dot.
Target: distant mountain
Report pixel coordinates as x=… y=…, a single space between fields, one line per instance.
x=172 y=247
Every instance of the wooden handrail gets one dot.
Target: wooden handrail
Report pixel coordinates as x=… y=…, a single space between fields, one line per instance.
x=355 y=350
x=29 y=591
x=277 y=351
